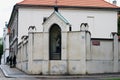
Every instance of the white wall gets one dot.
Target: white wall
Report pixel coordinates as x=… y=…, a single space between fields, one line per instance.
x=6 y=54
x=101 y=56
x=5 y=46
x=104 y=22
x=104 y=51
x=22 y=56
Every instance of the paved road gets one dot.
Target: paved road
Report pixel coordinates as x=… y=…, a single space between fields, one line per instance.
x=89 y=77
x=2 y=77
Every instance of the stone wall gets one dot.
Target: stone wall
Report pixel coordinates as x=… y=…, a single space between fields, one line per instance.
x=22 y=55
x=101 y=56
x=81 y=54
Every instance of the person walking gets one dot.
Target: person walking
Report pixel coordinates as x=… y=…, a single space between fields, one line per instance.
x=10 y=60
x=14 y=61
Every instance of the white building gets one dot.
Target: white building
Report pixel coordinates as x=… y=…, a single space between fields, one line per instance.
x=35 y=49
x=58 y=50
x=97 y=14
x=5 y=45
x=100 y=15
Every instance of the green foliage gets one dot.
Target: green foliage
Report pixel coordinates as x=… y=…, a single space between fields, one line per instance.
x=113 y=79
x=119 y=26
x=1 y=49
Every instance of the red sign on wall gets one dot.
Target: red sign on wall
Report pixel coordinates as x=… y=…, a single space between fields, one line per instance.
x=96 y=43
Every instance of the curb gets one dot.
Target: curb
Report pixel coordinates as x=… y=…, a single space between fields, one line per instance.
x=5 y=73
x=10 y=75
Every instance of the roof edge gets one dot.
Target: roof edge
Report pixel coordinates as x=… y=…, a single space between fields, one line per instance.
x=13 y=13
x=61 y=6
x=15 y=8
x=110 y=3
x=58 y=15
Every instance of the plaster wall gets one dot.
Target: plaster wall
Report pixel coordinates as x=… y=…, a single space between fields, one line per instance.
x=79 y=53
x=18 y=59
x=101 y=59
x=104 y=51
x=74 y=46
x=96 y=19
x=5 y=46
x=37 y=54
x=22 y=56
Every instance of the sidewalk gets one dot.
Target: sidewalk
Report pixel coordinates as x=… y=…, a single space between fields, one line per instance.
x=12 y=72
x=15 y=73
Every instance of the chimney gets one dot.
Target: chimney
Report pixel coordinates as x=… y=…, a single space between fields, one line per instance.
x=56 y=8
x=114 y=2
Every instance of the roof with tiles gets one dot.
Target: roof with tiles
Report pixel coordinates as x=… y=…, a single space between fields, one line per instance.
x=70 y=3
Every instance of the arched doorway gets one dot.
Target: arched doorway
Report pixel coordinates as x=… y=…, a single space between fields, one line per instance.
x=55 y=42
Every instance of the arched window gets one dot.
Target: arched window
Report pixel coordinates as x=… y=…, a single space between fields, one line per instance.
x=55 y=42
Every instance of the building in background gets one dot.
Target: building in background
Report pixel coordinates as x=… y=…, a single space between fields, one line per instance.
x=5 y=44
